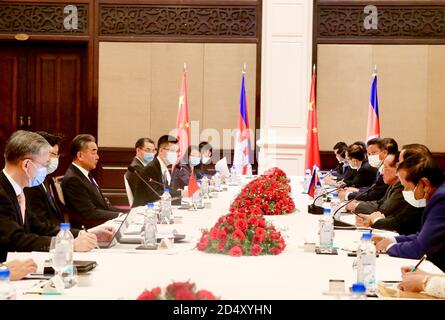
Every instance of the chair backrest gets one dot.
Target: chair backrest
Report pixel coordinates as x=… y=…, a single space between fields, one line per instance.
x=128 y=191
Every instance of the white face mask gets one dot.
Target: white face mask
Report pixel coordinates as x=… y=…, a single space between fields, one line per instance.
x=411 y=199
x=375 y=161
x=53 y=164
x=172 y=157
x=205 y=159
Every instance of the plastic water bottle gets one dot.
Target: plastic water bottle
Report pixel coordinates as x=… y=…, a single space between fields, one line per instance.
x=233 y=176
x=366 y=260
x=166 y=206
x=62 y=261
x=335 y=203
x=149 y=229
x=217 y=181
x=307 y=180
x=326 y=231
x=197 y=197
x=249 y=173
x=205 y=187
x=7 y=291
x=358 y=291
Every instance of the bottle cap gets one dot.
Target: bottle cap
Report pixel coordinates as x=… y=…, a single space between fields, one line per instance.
x=326 y=210
x=358 y=288
x=166 y=189
x=366 y=236
x=4 y=273
x=150 y=204
x=64 y=226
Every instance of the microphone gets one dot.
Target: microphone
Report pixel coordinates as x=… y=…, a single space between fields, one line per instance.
x=313 y=208
x=339 y=223
x=133 y=170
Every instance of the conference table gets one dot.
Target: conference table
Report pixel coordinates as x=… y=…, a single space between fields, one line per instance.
x=124 y=272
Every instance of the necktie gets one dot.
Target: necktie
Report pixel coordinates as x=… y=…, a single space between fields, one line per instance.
x=96 y=187
x=22 y=203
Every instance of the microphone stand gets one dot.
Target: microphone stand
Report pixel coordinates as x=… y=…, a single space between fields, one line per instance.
x=314 y=209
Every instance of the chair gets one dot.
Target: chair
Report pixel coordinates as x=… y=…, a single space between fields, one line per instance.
x=128 y=191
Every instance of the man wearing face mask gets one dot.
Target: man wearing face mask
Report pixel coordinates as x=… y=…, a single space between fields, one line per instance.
x=27 y=158
x=184 y=169
x=424 y=186
x=145 y=153
x=157 y=174
x=366 y=174
x=41 y=199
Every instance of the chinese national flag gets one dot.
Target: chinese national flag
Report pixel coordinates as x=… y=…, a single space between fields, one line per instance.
x=193 y=185
x=182 y=122
x=312 y=148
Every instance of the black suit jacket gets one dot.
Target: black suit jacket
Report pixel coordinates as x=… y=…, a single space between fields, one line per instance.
x=131 y=176
x=391 y=203
x=33 y=235
x=406 y=221
x=364 y=177
x=152 y=174
x=375 y=193
x=86 y=204
x=39 y=202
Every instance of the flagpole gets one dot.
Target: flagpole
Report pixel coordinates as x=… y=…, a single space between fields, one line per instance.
x=185 y=67
x=314 y=68
x=375 y=71
x=245 y=67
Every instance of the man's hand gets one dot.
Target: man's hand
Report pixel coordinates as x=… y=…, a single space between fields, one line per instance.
x=413 y=282
x=103 y=232
x=352 y=205
x=375 y=215
x=351 y=189
x=362 y=220
x=383 y=244
x=377 y=239
x=407 y=269
x=85 y=241
x=21 y=268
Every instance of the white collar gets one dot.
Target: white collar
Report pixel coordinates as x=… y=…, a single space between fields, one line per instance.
x=18 y=190
x=163 y=166
x=84 y=171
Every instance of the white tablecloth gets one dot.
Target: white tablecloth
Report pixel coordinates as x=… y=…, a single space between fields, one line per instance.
x=123 y=272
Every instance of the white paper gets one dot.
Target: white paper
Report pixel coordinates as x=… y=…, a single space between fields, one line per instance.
x=222 y=167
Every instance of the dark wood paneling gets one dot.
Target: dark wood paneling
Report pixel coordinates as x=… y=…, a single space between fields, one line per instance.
x=400 y=22
x=40 y=18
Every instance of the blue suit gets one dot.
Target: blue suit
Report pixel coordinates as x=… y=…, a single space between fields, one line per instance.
x=431 y=238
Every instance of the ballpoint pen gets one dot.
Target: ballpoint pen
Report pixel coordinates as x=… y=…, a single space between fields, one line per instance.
x=418 y=263
x=84 y=229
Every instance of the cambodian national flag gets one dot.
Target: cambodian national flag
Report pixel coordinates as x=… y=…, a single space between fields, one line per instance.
x=373 y=130
x=242 y=142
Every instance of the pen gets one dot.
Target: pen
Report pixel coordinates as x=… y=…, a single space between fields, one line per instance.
x=83 y=228
x=418 y=263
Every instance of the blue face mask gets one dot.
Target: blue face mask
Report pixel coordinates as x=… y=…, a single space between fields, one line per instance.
x=194 y=161
x=39 y=178
x=148 y=157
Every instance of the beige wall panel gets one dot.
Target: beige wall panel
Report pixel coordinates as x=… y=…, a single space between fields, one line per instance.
x=124 y=93
x=343 y=86
x=223 y=64
x=403 y=91
x=436 y=92
x=168 y=61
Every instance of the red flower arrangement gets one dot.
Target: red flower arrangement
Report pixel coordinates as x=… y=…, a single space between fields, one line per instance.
x=177 y=291
x=269 y=193
x=242 y=233
x=277 y=174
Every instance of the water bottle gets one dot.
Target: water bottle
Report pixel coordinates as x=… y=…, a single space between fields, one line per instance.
x=197 y=197
x=205 y=187
x=326 y=231
x=149 y=230
x=217 y=181
x=366 y=260
x=335 y=203
x=7 y=291
x=233 y=175
x=249 y=173
x=166 y=206
x=307 y=180
x=358 y=291
x=62 y=260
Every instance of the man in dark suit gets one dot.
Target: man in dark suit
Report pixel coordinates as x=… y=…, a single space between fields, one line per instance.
x=424 y=187
x=156 y=173
x=145 y=153
x=366 y=174
x=27 y=158
x=41 y=199
x=83 y=197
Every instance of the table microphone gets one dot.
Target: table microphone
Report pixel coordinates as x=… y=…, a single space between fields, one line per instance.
x=314 y=209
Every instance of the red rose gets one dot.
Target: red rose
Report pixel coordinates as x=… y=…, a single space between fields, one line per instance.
x=222 y=235
x=253 y=221
x=274 y=235
x=261 y=223
x=257 y=239
x=203 y=244
x=205 y=295
x=236 y=251
x=230 y=220
x=221 y=246
x=275 y=251
x=260 y=231
x=173 y=288
x=147 y=295
x=238 y=235
x=241 y=224
x=185 y=294
x=213 y=233
x=255 y=250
